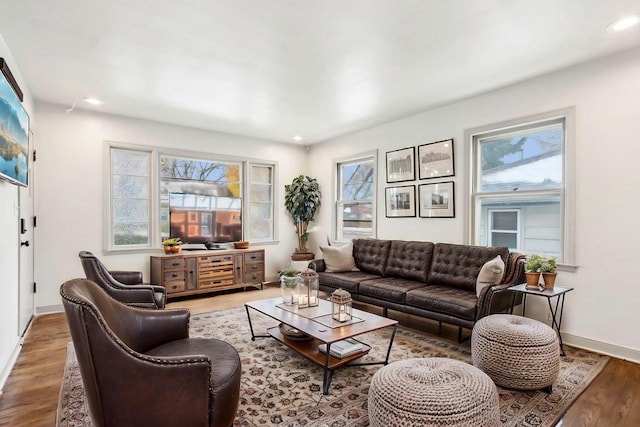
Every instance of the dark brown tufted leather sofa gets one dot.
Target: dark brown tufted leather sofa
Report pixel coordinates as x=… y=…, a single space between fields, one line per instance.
x=139 y=366
x=436 y=281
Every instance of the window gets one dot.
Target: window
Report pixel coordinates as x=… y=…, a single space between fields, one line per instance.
x=261 y=224
x=141 y=180
x=355 y=201
x=191 y=175
x=519 y=187
x=129 y=214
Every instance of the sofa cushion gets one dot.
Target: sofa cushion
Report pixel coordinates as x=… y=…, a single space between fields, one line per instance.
x=349 y=281
x=444 y=299
x=339 y=258
x=458 y=266
x=388 y=288
x=371 y=255
x=490 y=274
x=409 y=260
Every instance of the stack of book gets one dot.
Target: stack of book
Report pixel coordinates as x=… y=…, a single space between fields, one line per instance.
x=343 y=348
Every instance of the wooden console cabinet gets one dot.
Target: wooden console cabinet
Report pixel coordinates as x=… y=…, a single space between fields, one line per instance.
x=190 y=273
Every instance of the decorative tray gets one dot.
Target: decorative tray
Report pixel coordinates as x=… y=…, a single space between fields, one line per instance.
x=292 y=333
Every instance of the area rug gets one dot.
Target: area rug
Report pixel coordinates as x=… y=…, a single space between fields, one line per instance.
x=282 y=388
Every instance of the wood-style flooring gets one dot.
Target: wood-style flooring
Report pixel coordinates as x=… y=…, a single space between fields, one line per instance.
x=30 y=394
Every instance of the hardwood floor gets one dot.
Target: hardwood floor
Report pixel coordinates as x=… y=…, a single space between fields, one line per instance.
x=30 y=395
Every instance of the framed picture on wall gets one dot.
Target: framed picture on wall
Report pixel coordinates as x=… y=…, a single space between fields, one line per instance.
x=437 y=200
x=400 y=202
x=401 y=165
x=435 y=160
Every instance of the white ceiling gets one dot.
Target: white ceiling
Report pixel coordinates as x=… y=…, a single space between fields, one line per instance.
x=276 y=68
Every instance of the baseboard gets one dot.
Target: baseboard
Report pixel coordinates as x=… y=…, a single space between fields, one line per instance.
x=602 y=347
x=6 y=370
x=48 y=309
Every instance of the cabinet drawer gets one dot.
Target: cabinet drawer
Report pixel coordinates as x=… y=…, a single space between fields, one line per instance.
x=170 y=276
x=172 y=263
x=225 y=272
x=252 y=267
x=254 y=256
x=212 y=283
x=256 y=277
x=173 y=287
x=215 y=260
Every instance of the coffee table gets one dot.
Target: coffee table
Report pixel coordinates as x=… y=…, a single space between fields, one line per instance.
x=308 y=320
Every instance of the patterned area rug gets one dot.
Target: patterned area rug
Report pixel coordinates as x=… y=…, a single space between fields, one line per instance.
x=280 y=387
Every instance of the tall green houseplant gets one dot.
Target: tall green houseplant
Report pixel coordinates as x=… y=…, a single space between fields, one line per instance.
x=302 y=200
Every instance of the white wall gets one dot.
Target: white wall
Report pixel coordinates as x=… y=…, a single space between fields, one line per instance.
x=602 y=311
x=9 y=252
x=71 y=184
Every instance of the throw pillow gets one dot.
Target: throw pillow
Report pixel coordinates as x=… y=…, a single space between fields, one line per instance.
x=339 y=258
x=490 y=274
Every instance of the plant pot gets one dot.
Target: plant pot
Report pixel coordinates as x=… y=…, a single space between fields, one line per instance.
x=302 y=256
x=167 y=249
x=533 y=278
x=549 y=279
x=175 y=249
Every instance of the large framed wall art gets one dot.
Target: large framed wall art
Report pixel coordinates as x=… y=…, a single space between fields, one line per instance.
x=437 y=200
x=435 y=160
x=400 y=202
x=401 y=165
x=14 y=134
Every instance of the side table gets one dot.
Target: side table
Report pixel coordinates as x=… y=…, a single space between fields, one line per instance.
x=556 y=316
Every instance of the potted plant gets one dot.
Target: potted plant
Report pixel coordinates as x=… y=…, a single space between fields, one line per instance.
x=172 y=245
x=288 y=285
x=302 y=200
x=548 y=270
x=532 y=270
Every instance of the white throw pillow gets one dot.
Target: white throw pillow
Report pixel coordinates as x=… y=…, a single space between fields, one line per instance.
x=490 y=274
x=339 y=258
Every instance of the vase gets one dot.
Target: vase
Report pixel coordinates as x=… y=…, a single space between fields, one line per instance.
x=549 y=279
x=533 y=278
x=289 y=289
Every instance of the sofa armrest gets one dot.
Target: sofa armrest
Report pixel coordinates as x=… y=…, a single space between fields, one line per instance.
x=318 y=265
x=127 y=277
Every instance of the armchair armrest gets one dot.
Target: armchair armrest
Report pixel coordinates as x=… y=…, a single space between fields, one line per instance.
x=128 y=277
x=136 y=295
x=147 y=329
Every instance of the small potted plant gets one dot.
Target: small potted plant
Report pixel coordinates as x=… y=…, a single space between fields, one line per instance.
x=532 y=270
x=548 y=269
x=172 y=245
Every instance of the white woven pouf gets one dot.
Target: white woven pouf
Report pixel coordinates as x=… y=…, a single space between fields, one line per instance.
x=516 y=352
x=432 y=392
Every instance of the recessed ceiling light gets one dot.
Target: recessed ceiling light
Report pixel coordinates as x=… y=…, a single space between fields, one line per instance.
x=624 y=23
x=92 y=101
x=298 y=138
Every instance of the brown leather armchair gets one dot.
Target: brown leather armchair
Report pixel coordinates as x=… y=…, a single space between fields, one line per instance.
x=125 y=286
x=140 y=368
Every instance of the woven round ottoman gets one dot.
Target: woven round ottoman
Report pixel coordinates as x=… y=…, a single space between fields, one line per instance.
x=432 y=392
x=516 y=352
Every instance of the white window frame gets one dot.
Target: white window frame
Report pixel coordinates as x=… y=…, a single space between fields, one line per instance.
x=154 y=154
x=566 y=193
x=491 y=230
x=338 y=203
x=274 y=211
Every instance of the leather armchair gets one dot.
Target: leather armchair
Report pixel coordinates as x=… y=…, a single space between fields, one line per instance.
x=140 y=368
x=125 y=286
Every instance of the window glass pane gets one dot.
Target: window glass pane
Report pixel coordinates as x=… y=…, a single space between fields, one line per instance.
x=131 y=234
x=260 y=193
x=505 y=221
x=260 y=225
x=524 y=160
x=509 y=240
x=356 y=219
x=261 y=174
x=356 y=181
x=354 y=207
x=130 y=214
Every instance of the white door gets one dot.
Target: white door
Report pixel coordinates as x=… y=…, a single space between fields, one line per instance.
x=26 y=291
